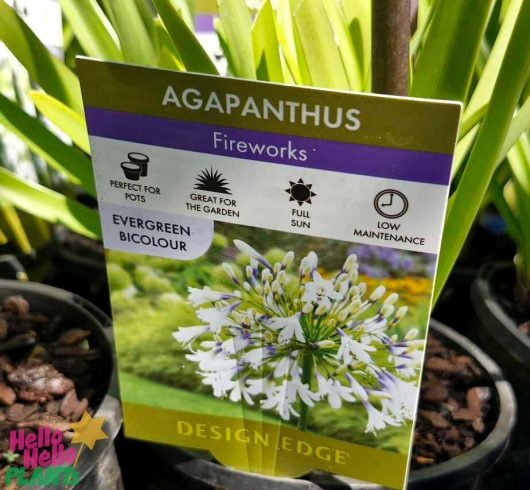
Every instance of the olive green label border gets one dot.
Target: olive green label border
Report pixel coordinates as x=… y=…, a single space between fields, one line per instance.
x=262 y=447
x=393 y=122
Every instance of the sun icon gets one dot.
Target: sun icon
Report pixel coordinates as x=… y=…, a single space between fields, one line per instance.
x=300 y=192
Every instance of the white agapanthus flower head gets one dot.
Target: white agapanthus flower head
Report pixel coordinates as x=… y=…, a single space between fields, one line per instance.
x=286 y=339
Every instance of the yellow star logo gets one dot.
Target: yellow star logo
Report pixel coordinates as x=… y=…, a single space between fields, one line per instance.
x=88 y=430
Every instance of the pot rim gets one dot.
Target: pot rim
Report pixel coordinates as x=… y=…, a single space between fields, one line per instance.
x=138 y=156
x=131 y=166
x=493 y=315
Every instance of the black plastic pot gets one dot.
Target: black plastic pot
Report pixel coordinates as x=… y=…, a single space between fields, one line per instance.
x=97 y=468
x=461 y=472
x=487 y=296
x=82 y=274
x=140 y=159
x=131 y=170
x=464 y=471
x=495 y=329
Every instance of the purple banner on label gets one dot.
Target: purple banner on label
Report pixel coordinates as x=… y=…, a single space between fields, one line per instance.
x=390 y=163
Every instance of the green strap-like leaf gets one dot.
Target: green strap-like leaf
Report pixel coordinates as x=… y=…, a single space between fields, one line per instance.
x=266 y=46
x=68 y=121
x=425 y=12
x=445 y=65
x=482 y=92
x=184 y=8
x=190 y=51
x=49 y=205
x=519 y=125
x=317 y=42
x=64 y=158
x=352 y=66
x=147 y=14
x=92 y=29
x=462 y=150
x=358 y=15
x=466 y=200
x=512 y=224
x=12 y=222
x=44 y=69
x=168 y=57
x=284 y=28
x=136 y=44
x=237 y=27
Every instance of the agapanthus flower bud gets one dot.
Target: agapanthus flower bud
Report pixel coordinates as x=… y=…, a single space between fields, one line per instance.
x=343 y=314
x=356 y=304
x=342 y=277
x=248 y=250
x=324 y=344
x=412 y=334
x=308 y=263
x=322 y=308
x=249 y=271
x=277 y=267
x=228 y=269
x=287 y=259
x=378 y=292
x=268 y=337
x=246 y=285
x=266 y=274
x=387 y=310
x=307 y=308
x=341 y=369
x=350 y=263
x=391 y=298
x=362 y=288
x=400 y=313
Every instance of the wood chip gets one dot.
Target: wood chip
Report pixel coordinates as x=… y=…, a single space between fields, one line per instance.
x=435 y=418
x=436 y=393
x=7 y=395
x=15 y=304
x=73 y=336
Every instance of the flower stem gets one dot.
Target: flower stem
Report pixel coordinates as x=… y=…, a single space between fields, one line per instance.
x=307 y=371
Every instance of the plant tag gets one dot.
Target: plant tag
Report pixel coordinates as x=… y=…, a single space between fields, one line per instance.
x=271 y=255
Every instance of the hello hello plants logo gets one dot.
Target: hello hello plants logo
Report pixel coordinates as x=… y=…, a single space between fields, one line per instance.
x=42 y=457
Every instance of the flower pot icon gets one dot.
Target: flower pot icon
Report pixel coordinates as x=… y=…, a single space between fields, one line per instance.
x=132 y=170
x=140 y=159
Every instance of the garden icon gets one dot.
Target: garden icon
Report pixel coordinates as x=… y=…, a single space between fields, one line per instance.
x=136 y=166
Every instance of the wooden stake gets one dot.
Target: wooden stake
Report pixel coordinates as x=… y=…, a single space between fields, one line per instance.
x=390 y=46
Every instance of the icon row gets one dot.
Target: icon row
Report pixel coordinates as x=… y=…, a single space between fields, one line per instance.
x=389 y=203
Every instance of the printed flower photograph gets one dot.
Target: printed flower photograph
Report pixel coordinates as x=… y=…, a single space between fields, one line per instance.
x=282 y=325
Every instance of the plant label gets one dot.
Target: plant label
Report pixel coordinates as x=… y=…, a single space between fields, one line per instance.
x=271 y=257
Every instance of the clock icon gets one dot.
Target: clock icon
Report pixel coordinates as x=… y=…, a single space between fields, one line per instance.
x=391 y=204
